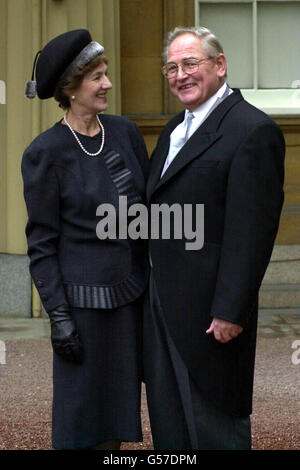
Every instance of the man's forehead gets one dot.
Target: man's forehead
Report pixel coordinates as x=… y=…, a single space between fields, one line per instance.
x=186 y=45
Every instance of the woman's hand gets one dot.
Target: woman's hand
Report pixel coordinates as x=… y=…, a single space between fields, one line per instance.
x=64 y=339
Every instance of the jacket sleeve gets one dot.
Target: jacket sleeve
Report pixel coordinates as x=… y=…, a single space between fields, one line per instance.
x=41 y=192
x=253 y=205
x=140 y=151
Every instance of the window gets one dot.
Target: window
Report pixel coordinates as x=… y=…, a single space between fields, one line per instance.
x=261 y=40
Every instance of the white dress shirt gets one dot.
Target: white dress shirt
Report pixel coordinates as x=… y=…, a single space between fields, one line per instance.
x=203 y=111
x=200 y=114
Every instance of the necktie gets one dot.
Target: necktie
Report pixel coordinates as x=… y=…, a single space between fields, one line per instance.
x=178 y=138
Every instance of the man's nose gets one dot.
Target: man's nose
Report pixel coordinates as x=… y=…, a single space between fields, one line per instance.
x=181 y=72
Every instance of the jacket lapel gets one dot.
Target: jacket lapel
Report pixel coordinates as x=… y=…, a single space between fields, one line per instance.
x=199 y=142
x=194 y=147
x=160 y=153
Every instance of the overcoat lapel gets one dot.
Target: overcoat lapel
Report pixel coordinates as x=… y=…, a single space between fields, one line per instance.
x=199 y=142
x=194 y=147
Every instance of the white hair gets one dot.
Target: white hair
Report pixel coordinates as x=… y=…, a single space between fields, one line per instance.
x=209 y=42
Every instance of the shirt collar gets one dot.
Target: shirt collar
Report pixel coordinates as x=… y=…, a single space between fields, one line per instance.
x=205 y=107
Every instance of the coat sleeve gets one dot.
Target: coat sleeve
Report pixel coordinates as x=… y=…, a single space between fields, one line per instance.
x=253 y=205
x=41 y=192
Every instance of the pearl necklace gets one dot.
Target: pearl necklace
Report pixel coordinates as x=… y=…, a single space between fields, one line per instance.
x=80 y=144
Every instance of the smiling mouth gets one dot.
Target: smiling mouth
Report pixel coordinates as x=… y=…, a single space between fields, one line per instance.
x=186 y=87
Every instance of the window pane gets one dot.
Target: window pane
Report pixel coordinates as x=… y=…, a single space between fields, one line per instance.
x=232 y=24
x=278 y=44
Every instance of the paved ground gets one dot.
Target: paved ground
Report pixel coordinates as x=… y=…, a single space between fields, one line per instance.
x=26 y=388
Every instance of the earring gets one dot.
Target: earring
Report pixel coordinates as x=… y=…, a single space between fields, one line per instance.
x=73 y=97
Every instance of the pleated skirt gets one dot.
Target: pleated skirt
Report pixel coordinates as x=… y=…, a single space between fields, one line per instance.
x=99 y=399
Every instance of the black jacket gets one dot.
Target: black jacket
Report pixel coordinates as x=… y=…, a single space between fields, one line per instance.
x=234 y=165
x=63 y=188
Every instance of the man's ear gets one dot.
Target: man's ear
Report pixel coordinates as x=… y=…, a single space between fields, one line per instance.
x=222 y=65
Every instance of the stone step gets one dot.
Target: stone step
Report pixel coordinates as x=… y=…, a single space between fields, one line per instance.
x=284 y=267
x=278 y=322
x=15 y=286
x=279 y=295
x=283 y=272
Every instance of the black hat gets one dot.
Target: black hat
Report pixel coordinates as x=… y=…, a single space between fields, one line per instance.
x=59 y=60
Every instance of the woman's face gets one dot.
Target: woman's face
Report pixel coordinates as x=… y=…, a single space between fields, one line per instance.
x=90 y=96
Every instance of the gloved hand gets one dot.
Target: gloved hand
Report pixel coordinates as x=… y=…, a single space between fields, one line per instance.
x=64 y=338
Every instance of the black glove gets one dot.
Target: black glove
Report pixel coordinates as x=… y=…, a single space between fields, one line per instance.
x=64 y=339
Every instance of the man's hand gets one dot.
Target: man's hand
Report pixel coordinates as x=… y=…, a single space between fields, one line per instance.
x=224 y=330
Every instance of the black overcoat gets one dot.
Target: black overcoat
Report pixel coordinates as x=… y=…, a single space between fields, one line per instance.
x=234 y=165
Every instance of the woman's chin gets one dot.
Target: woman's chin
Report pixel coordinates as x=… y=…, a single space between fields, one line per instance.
x=100 y=109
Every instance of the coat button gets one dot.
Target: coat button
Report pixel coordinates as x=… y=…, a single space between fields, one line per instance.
x=39 y=283
x=44 y=297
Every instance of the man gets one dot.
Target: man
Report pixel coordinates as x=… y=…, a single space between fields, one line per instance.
x=200 y=327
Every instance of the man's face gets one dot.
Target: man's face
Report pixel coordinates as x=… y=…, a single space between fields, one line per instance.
x=194 y=89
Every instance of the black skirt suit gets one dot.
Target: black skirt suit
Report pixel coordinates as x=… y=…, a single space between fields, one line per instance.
x=102 y=281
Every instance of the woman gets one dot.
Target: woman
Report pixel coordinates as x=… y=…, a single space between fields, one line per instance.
x=91 y=288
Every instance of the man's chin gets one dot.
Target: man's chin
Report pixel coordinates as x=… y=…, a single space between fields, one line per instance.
x=190 y=103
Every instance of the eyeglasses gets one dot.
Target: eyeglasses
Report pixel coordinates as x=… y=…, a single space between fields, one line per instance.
x=189 y=66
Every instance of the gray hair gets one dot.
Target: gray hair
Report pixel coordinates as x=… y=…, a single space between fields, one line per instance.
x=209 y=42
